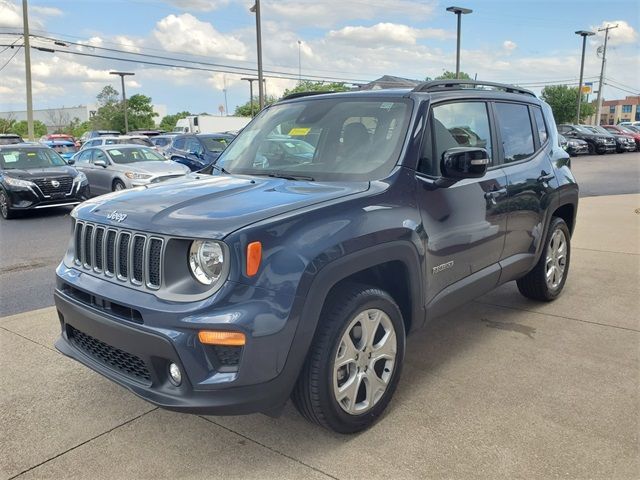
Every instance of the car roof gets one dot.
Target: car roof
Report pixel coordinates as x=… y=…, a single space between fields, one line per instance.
x=120 y=146
x=207 y=135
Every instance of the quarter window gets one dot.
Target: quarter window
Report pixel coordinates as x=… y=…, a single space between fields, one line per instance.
x=464 y=124
x=516 y=132
x=542 y=129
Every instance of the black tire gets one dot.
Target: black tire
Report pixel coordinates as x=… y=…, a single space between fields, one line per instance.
x=313 y=394
x=118 y=185
x=534 y=284
x=591 y=148
x=5 y=209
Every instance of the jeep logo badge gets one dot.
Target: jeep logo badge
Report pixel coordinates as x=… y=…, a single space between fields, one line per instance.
x=116 y=216
x=55 y=183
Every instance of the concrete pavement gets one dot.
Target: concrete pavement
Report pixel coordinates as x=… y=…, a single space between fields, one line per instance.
x=501 y=388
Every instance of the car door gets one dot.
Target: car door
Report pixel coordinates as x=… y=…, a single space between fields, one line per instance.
x=525 y=149
x=194 y=153
x=464 y=223
x=103 y=175
x=84 y=165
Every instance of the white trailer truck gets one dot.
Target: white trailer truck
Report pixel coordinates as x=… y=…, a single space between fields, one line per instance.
x=210 y=124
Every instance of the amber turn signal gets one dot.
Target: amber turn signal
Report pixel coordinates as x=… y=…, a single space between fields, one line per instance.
x=254 y=256
x=214 y=337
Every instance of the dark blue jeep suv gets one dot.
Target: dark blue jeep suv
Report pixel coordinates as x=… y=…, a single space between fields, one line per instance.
x=290 y=275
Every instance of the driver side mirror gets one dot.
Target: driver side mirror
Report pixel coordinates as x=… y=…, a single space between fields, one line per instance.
x=100 y=163
x=71 y=161
x=464 y=162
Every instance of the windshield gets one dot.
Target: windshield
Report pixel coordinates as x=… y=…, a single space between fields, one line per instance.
x=10 y=140
x=160 y=141
x=28 y=158
x=602 y=130
x=136 y=141
x=626 y=129
x=215 y=144
x=584 y=129
x=65 y=148
x=324 y=139
x=134 y=155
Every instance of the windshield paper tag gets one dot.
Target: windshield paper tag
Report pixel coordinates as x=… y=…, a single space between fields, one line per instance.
x=386 y=106
x=299 y=132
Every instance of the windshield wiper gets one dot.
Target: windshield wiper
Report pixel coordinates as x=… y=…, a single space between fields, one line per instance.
x=288 y=176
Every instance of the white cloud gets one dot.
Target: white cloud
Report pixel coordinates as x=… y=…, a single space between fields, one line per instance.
x=10 y=14
x=385 y=34
x=617 y=36
x=328 y=13
x=198 y=5
x=509 y=46
x=186 y=34
x=45 y=11
x=127 y=43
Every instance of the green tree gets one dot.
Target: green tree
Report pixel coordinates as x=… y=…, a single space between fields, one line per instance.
x=245 y=109
x=77 y=128
x=563 y=101
x=6 y=124
x=140 y=114
x=447 y=75
x=309 y=86
x=22 y=128
x=168 y=122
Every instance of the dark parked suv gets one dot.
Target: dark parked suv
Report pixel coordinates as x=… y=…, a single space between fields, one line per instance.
x=596 y=142
x=301 y=275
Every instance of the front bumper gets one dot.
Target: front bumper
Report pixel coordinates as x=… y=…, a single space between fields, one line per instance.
x=137 y=355
x=606 y=147
x=579 y=149
x=24 y=198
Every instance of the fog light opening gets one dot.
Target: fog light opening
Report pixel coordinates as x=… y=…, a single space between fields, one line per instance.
x=175 y=375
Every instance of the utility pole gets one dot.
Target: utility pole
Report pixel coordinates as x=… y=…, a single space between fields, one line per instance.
x=584 y=34
x=124 y=98
x=299 y=62
x=27 y=67
x=250 y=80
x=604 y=62
x=256 y=9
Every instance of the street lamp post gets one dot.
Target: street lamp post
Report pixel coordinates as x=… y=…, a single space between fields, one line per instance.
x=27 y=67
x=124 y=97
x=299 y=62
x=459 y=11
x=256 y=9
x=584 y=34
x=250 y=80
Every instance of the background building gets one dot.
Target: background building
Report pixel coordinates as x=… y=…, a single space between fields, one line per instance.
x=616 y=111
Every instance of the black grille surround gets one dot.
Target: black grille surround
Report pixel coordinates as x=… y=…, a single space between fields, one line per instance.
x=112 y=357
x=58 y=186
x=126 y=255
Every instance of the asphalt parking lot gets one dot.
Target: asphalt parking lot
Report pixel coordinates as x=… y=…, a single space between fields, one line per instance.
x=503 y=387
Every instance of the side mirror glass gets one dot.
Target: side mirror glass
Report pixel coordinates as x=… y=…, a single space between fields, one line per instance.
x=464 y=162
x=71 y=161
x=100 y=163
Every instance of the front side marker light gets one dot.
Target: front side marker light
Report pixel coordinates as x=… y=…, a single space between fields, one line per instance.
x=254 y=257
x=217 y=337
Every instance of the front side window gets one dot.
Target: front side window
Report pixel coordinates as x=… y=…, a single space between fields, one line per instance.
x=179 y=143
x=515 y=130
x=542 y=129
x=84 y=156
x=324 y=139
x=100 y=155
x=463 y=124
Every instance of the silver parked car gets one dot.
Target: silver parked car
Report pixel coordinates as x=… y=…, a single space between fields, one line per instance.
x=115 y=167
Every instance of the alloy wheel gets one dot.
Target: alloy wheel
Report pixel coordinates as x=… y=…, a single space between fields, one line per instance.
x=4 y=207
x=556 y=259
x=364 y=362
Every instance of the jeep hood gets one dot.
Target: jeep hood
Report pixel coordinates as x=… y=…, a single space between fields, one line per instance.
x=210 y=206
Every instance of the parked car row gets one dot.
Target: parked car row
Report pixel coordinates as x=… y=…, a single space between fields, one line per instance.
x=591 y=139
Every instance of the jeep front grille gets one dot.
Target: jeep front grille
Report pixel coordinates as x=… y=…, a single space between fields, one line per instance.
x=129 y=256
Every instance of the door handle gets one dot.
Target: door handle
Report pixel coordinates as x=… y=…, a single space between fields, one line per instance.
x=545 y=177
x=495 y=193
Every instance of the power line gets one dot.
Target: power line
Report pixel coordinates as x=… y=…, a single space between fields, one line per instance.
x=620 y=83
x=10 y=58
x=10 y=46
x=622 y=89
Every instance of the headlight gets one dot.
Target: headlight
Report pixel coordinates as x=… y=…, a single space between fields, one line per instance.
x=206 y=261
x=137 y=176
x=81 y=178
x=16 y=182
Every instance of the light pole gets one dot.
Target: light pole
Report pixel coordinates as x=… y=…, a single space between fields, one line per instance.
x=124 y=97
x=27 y=68
x=299 y=62
x=584 y=34
x=604 y=64
x=459 y=11
x=256 y=9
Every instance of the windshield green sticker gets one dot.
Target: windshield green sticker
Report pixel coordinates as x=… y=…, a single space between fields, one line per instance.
x=115 y=152
x=298 y=131
x=386 y=106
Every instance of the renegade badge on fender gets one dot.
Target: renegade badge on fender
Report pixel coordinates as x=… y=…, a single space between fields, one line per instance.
x=298 y=271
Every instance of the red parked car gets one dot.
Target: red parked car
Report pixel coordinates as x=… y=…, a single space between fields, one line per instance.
x=622 y=130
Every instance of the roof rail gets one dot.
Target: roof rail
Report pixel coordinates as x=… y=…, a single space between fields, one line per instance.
x=304 y=94
x=440 y=85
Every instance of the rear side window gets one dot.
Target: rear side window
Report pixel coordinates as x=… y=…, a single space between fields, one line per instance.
x=463 y=124
x=179 y=143
x=516 y=132
x=542 y=128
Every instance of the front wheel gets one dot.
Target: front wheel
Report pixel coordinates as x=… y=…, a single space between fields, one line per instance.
x=355 y=361
x=5 y=209
x=546 y=281
x=118 y=185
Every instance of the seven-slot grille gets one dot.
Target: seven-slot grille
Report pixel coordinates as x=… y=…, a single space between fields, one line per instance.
x=48 y=185
x=129 y=256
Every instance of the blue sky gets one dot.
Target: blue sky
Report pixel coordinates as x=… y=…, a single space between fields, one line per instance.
x=528 y=42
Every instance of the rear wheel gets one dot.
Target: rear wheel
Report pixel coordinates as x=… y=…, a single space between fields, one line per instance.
x=546 y=281
x=118 y=185
x=5 y=209
x=355 y=361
